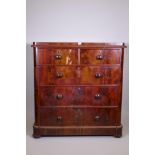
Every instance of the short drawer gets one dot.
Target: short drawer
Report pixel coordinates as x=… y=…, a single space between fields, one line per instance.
x=78 y=116
x=57 y=75
x=97 y=57
x=56 y=56
x=79 y=96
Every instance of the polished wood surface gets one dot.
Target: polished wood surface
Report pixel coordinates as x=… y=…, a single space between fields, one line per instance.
x=78 y=96
x=78 y=116
x=56 y=75
x=78 y=88
x=57 y=56
x=98 y=57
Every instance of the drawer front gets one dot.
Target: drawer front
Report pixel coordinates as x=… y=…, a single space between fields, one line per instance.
x=78 y=116
x=75 y=96
x=70 y=56
x=56 y=56
x=58 y=75
x=96 y=57
x=100 y=75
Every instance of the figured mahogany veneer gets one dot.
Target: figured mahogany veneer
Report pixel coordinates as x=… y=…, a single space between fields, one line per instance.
x=57 y=56
x=98 y=57
x=78 y=116
x=56 y=75
x=78 y=96
x=78 y=88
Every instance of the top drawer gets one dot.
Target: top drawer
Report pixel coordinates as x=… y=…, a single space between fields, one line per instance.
x=70 y=56
x=97 y=57
x=56 y=56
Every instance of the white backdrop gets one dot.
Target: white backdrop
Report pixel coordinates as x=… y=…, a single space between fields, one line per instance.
x=77 y=20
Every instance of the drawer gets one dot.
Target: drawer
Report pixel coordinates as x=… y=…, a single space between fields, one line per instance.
x=100 y=75
x=78 y=116
x=58 y=75
x=79 y=96
x=96 y=57
x=56 y=56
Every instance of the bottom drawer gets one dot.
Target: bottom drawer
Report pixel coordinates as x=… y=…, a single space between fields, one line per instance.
x=78 y=116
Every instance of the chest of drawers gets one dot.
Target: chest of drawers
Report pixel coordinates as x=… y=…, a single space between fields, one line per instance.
x=78 y=88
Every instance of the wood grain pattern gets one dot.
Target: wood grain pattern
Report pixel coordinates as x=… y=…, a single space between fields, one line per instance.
x=109 y=75
x=79 y=96
x=57 y=56
x=78 y=116
x=77 y=131
x=76 y=45
x=47 y=75
x=78 y=88
x=108 y=56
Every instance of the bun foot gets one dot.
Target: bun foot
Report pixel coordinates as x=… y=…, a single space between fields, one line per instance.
x=118 y=132
x=36 y=132
x=36 y=136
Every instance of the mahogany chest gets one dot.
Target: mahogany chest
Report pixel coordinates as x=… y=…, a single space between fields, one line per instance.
x=78 y=88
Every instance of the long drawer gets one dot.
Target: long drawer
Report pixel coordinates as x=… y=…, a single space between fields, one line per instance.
x=78 y=116
x=79 y=96
x=57 y=75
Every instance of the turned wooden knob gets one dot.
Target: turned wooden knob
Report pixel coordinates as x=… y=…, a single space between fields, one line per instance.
x=59 y=75
x=97 y=118
x=98 y=96
x=99 y=57
x=98 y=75
x=59 y=118
x=59 y=96
x=58 y=56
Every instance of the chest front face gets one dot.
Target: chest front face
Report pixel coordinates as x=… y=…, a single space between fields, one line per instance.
x=77 y=89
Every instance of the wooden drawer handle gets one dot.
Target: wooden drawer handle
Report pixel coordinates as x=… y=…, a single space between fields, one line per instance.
x=59 y=75
x=99 y=57
x=59 y=96
x=58 y=57
x=97 y=118
x=98 y=75
x=98 y=96
x=59 y=118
